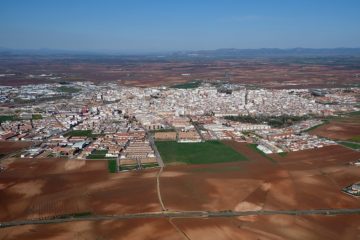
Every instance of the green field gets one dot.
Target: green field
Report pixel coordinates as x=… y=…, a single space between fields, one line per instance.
x=66 y=89
x=197 y=153
x=37 y=116
x=80 y=133
x=5 y=118
x=355 y=146
x=355 y=139
x=188 y=85
x=356 y=113
x=283 y=154
x=98 y=154
x=112 y=166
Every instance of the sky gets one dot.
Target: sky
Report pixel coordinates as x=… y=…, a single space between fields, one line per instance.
x=173 y=25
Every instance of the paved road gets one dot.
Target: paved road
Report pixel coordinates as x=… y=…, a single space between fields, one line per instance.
x=185 y=214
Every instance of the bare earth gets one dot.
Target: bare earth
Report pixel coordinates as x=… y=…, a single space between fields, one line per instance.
x=7 y=147
x=310 y=179
x=340 y=129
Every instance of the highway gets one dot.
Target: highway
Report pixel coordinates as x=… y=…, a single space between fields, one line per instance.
x=184 y=214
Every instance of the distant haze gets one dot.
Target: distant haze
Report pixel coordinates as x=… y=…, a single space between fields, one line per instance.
x=175 y=25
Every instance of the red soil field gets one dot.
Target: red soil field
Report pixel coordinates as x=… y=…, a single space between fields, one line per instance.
x=301 y=180
x=42 y=188
x=133 y=229
x=311 y=179
x=339 y=129
x=272 y=227
x=7 y=147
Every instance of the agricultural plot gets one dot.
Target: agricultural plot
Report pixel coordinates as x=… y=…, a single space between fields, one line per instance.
x=5 y=118
x=310 y=179
x=198 y=153
x=343 y=128
x=7 y=147
x=80 y=133
x=355 y=146
x=112 y=166
x=48 y=188
x=100 y=155
x=66 y=89
x=188 y=85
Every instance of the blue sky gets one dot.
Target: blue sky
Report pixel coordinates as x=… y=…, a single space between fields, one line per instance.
x=163 y=25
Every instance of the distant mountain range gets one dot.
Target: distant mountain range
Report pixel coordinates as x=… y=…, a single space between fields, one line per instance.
x=218 y=53
x=273 y=52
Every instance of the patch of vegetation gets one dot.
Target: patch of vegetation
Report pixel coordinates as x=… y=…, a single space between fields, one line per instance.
x=283 y=154
x=197 y=153
x=254 y=147
x=128 y=167
x=36 y=116
x=80 y=133
x=149 y=165
x=355 y=139
x=99 y=154
x=355 y=146
x=188 y=85
x=5 y=118
x=273 y=121
x=112 y=166
x=357 y=113
x=66 y=89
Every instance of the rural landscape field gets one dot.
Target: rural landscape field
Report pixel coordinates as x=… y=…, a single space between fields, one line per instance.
x=51 y=188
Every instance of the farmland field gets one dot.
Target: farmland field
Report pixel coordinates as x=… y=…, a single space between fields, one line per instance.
x=344 y=128
x=7 y=147
x=307 y=179
x=193 y=84
x=198 y=153
x=5 y=118
x=80 y=133
x=86 y=186
x=310 y=179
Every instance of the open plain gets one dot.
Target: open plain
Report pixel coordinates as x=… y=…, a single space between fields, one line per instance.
x=344 y=128
x=311 y=179
x=7 y=147
x=270 y=72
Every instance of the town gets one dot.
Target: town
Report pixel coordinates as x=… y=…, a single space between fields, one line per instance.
x=118 y=123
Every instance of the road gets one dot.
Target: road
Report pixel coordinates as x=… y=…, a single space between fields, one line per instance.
x=158 y=189
x=184 y=214
x=157 y=154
